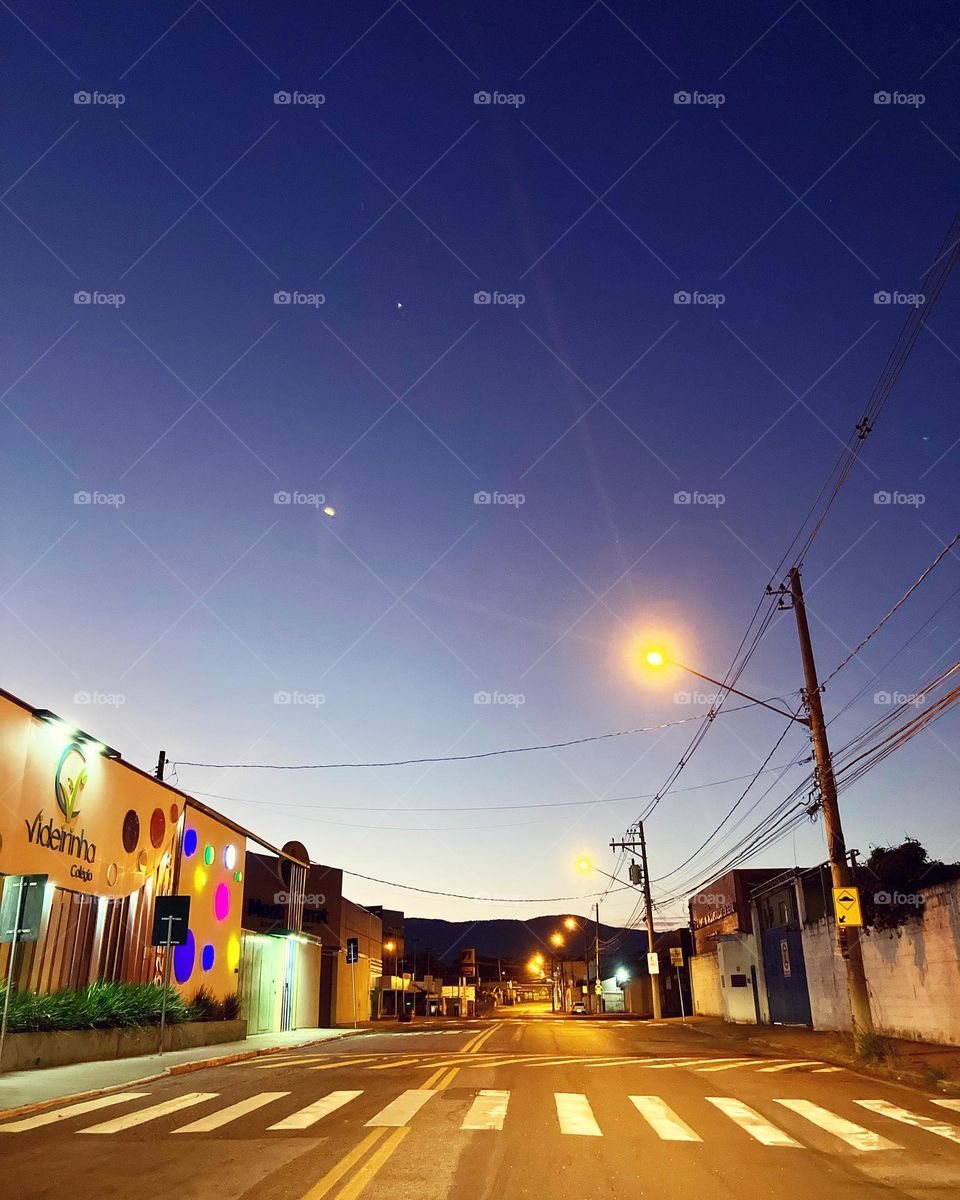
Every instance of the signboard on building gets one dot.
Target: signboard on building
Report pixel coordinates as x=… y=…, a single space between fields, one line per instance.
x=21 y=908
x=653 y=963
x=171 y=919
x=846 y=906
x=90 y=822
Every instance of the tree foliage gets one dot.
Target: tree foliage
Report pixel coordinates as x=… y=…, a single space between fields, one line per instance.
x=891 y=880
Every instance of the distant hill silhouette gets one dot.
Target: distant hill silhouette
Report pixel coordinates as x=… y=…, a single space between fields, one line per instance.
x=514 y=941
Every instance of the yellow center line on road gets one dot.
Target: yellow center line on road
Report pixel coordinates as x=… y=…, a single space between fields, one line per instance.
x=428 y=1083
x=475 y=1043
x=372 y=1165
x=389 y=1066
x=349 y=1160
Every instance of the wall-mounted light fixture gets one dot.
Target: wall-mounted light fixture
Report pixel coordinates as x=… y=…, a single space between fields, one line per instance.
x=73 y=734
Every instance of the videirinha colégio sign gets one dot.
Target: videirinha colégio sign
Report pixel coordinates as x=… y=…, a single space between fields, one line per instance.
x=88 y=822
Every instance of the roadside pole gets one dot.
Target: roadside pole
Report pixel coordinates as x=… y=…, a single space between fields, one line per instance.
x=166 y=979
x=848 y=938
x=596 y=946
x=13 y=950
x=634 y=840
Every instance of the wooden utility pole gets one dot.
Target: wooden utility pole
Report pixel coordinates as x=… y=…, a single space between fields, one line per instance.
x=840 y=870
x=633 y=841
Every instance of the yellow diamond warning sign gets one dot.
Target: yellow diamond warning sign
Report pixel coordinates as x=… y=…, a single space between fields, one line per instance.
x=846 y=906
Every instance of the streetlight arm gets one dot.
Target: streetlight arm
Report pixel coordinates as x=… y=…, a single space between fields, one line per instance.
x=746 y=696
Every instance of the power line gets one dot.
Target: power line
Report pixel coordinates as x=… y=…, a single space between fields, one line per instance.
x=406 y=762
x=309 y=806
x=409 y=887
x=903 y=599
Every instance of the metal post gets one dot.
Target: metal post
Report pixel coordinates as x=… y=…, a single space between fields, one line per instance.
x=654 y=979
x=683 y=1015
x=353 y=986
x=13 y=950
x=840 y=871
x=166 y=982
x=596 y=939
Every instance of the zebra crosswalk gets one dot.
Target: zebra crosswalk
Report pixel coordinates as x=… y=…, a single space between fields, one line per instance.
x=428 y=1060
x=785 y=1123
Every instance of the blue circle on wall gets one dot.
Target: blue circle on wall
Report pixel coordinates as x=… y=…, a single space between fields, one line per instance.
x=206 y=957
x=183 y=958
x=190 y=843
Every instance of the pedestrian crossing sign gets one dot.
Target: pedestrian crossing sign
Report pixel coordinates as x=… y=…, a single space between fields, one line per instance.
x=846 y=906
x=598 y=988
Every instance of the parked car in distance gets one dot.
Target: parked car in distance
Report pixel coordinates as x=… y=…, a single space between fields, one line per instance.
x=579 y=1008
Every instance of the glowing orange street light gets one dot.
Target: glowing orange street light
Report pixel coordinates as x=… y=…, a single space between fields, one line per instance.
x=655 y=658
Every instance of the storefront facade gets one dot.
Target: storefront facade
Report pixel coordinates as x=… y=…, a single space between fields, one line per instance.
x=110 y=839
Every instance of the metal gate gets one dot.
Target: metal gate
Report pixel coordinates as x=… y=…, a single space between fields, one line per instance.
x=785 y=975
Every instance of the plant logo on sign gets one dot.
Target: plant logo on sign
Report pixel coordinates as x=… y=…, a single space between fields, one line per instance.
x=70 y=780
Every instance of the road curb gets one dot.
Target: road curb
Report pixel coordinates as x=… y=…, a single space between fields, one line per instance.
x=222 y=1060
x=874 y=1070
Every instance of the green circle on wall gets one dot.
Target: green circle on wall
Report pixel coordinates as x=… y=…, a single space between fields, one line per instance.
x=208 y=855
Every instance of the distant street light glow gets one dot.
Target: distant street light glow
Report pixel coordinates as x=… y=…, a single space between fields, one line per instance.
x=654 y=658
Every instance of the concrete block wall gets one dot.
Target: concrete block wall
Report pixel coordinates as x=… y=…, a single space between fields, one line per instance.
x=913 y=975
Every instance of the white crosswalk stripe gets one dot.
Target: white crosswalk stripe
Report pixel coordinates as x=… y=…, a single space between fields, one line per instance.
x=848 y=1131
x=886 y=1109
x=398 y=1112
x=233 y=1112
x=751 y=1122
x=575 y=1115
x=308 y=1116
x=38 y=1120
x=663 y=1120
x=787 y=1066
x=488 y=1111
x=155 y=1111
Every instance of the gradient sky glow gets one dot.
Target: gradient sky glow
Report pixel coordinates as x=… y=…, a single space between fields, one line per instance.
x=397 y=198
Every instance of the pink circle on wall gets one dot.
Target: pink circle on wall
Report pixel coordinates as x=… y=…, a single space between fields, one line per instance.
x=221 y=902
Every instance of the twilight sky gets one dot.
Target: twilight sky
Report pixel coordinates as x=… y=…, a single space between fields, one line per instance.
x=173 y=609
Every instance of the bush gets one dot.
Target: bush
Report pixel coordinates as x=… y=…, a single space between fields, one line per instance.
x=206 y=1007
x=874 y=1048
x=99 y=1006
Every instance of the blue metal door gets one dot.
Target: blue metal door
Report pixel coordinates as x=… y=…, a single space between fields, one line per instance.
x=786 y=976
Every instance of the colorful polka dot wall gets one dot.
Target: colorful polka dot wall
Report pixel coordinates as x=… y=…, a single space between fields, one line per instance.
x=211 y=874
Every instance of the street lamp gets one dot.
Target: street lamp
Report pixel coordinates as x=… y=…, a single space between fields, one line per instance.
x=657 y=659
x=790 y=596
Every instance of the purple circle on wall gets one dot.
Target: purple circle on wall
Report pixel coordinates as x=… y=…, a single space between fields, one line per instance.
x=130 y=831
x=221 y=902
x=206 y=957
x=189 y=843
x=183 y=958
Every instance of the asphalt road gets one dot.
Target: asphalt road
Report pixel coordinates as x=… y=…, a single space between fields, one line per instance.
x=512 y=1108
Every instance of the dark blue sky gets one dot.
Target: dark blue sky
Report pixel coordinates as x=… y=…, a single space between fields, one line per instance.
x=397 y=198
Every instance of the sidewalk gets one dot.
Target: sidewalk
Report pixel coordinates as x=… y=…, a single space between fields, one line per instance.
x=923 y=1064
x=22 y=1090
